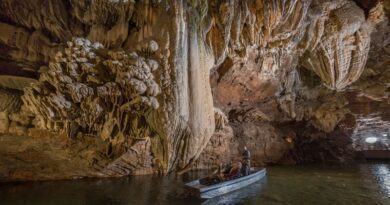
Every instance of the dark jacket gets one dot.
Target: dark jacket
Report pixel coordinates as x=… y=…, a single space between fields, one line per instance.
x=246 y=155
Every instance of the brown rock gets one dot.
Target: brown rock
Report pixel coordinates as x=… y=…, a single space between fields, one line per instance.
x=131 y=80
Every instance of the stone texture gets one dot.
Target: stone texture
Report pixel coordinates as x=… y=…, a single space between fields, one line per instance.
x=41 y=155
x=162 y=86
x=267 y=145
x=339 y=55
x=369 y=96
x=76 y=94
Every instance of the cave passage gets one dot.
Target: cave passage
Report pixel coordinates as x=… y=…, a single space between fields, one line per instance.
x=124 y=102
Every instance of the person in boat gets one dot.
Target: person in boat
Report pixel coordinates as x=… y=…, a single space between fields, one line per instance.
x=227 y=168
x=246 y=162
x=219 y=169
x=231 y=170
x=233 y=173
x=215 y=176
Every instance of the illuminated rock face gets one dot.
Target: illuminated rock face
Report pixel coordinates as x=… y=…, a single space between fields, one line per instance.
x=107 y=94
x=150 y=81
x=339 y=56
x=143 y=73
x=370 y=98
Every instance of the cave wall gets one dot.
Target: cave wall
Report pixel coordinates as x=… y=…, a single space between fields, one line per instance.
x=157 y=85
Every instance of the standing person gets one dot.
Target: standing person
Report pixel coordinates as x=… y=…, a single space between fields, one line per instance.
x=246 y=156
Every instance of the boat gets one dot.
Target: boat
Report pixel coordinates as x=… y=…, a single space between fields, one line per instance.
x=206 y=192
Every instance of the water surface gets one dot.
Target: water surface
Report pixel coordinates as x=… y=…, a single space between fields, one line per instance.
x=363 y=183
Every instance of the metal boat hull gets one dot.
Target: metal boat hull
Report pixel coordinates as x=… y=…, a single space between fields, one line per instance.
x=207 y=192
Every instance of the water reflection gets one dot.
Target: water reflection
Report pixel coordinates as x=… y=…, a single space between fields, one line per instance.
x=381 y=174
x=239 y=196
x=355 y=184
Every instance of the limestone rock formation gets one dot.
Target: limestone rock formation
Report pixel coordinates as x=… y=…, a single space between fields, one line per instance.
x=372 y=93
x=103 y=94
x=340 y=52
x=162 y=86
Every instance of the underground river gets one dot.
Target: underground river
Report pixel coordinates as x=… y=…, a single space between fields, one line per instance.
x=359 y=183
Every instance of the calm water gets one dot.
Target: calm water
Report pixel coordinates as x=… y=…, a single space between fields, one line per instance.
x=366 y=184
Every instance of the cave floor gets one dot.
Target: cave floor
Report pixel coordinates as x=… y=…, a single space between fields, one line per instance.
x=358 y=183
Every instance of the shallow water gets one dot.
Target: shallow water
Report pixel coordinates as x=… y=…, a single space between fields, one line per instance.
x=364 y=183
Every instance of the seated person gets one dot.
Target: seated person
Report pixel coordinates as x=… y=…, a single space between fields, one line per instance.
x=228 y=167
x=229 y=172
x=234 y=172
